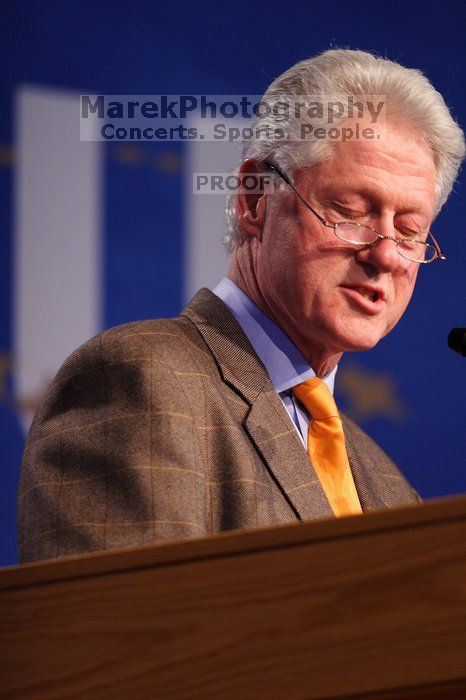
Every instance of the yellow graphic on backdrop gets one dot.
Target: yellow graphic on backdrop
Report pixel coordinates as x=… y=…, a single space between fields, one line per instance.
x=371 y=394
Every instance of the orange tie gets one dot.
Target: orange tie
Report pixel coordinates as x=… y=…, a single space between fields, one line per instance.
x=326 y=447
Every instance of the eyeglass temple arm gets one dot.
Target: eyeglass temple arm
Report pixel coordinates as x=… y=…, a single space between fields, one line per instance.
x=440 y=253
x=286 y=179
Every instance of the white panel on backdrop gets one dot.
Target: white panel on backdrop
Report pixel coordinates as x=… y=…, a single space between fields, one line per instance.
x=58 y=220
x=206 y=258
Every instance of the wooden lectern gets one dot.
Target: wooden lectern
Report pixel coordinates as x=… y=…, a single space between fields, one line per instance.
x=369 y=606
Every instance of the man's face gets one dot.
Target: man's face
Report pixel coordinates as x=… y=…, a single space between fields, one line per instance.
x=319 y=288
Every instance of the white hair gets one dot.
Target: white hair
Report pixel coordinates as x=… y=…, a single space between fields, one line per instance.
x=411 y=100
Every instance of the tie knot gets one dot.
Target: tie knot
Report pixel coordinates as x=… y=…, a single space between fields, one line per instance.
x=315 y=395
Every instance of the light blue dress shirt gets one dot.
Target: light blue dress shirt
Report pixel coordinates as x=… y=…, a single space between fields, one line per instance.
x=284 y=363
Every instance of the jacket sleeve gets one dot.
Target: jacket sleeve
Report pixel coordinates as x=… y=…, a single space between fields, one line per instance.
x=111 y=459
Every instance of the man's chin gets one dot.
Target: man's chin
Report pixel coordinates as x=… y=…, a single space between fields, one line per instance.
x=361 y=347
x=338 y=339
x=358 y=342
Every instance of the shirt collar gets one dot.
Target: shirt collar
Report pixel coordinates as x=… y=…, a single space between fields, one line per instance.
x=283 y=361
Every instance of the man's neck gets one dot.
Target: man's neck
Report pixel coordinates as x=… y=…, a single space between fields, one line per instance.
x=241 y=273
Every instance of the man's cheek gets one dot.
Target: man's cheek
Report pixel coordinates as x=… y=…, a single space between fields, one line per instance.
x=411 y=276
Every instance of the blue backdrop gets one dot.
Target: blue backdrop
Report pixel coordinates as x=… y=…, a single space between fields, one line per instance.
x=414 y=386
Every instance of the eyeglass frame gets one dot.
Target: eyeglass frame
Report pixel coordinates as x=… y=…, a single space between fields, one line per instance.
x=380 y=236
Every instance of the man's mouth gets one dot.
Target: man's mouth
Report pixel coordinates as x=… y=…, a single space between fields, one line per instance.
x=368 y=293
x=370 y=297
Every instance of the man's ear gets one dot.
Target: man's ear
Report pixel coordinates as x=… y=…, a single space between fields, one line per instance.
x=251 y=206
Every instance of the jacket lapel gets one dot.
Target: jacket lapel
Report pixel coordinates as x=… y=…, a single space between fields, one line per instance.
x=275 y=438
x=370 y=483
x=267 y=423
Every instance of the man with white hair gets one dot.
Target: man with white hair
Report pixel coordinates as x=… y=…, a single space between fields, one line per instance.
x=223 y=417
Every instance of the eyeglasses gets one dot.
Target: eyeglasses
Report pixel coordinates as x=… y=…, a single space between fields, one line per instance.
x=366 y=236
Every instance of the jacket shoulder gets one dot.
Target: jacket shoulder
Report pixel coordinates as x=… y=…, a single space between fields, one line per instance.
x=120 y=368
x=174 y=342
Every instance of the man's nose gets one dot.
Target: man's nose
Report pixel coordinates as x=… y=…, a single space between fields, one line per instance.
x=383 y=254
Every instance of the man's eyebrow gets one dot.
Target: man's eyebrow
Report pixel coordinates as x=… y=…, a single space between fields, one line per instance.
x=342 y=197
x=370 y=195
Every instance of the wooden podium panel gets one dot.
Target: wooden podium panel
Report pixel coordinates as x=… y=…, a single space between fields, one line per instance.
x=370 y=606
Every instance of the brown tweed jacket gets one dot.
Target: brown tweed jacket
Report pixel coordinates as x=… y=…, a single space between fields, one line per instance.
x=167 y=429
